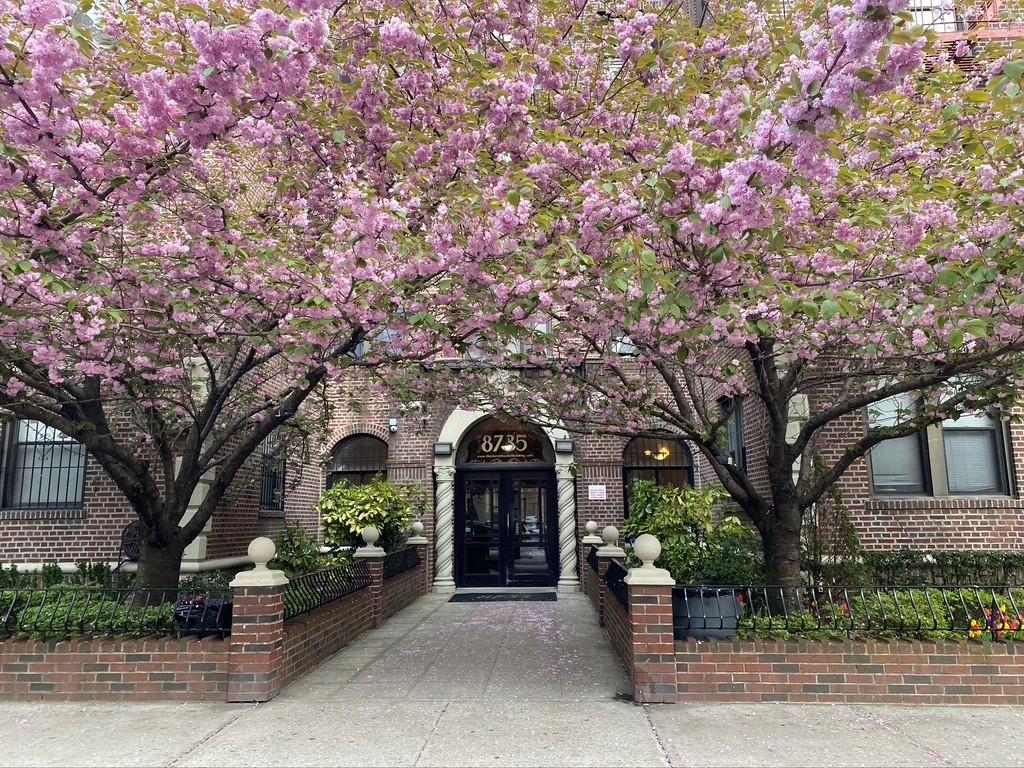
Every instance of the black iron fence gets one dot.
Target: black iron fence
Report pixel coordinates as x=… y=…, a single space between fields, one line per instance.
x=933 y=612
x=308 y=592
x=400 y=561
x=592 y=559
x=64 y=611
x=614 y=579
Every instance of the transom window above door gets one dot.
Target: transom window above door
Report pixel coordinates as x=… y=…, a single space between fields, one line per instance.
x=357 y=460
x=505 y=441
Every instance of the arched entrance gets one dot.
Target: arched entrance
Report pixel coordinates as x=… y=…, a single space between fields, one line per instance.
x=505 y=504
x=505 y=514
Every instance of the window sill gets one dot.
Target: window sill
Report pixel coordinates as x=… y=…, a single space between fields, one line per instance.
x=271 y=513
x=44 y=514
x=943 y=502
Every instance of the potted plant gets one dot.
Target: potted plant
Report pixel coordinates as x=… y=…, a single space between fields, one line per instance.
x=702 y=554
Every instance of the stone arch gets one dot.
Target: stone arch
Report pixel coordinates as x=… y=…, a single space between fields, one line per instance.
x=455 y=427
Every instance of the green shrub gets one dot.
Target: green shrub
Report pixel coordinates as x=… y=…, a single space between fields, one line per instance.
x=830 y=550
x=210 y=581
x=895 y=614
x=951 y=567
x=694 y=549
x=66 y=614
x=345 y=510
x=297 y=551
x=51 y=575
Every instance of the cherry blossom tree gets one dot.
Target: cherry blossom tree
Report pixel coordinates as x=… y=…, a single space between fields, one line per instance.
x=208 y=210
x=811 y=213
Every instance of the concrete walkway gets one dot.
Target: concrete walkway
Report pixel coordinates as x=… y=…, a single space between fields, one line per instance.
x=496 y=684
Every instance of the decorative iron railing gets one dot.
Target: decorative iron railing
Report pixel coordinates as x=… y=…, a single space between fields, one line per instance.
x=614 y=579
x=592 y=559
x=932 y=612
x=65 y=611
x=310 y=591
x=400 y=561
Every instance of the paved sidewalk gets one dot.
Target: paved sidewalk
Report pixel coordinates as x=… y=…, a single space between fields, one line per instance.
x=496 y=684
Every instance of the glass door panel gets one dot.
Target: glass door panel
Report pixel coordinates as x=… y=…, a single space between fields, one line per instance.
x=482 y=530
x=529 y=531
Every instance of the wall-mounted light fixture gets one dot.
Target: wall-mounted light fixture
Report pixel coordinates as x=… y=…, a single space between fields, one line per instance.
x=563 y=446
x=442 y=449
x=393 y=425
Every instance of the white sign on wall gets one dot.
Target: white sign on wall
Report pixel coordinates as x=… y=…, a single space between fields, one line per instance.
x=597 y=492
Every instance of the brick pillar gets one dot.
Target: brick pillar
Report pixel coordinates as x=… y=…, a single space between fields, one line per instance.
x=374 y=558
x=650 y=619
x=419 y=540
x=610 y=551
x=257 y=628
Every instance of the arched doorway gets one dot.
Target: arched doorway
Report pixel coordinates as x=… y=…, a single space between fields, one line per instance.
x=506 y=521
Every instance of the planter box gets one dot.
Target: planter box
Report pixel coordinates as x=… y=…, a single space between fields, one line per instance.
x=704 y=613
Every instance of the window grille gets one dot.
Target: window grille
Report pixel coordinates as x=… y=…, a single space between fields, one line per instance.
x=272 y=482
x=44 y=468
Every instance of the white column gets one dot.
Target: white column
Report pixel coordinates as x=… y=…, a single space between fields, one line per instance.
x=568 y=581
x=444 y=530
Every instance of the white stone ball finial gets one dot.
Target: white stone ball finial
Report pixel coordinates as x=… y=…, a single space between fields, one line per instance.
x=647 y=548
x=262 y=551
x=417 y=528
x=610 y=535
x=370 y=535
x=591 y=527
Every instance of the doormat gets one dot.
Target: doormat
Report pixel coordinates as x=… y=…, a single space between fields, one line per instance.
x=503 y=597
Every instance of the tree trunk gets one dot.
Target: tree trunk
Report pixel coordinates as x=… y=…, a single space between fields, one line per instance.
x=781 y=544
x=159 y=570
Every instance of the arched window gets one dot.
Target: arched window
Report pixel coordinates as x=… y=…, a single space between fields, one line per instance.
x=357 y=459
x=664 y=460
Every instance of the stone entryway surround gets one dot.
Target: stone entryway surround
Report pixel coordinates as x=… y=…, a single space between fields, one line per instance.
x=493 y=651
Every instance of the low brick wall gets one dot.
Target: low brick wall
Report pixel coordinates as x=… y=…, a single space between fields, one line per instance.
x=618 y=627
x=897 y=672
x=401 y=590
x=160 y=669
x=313 y=637
x=590 y=586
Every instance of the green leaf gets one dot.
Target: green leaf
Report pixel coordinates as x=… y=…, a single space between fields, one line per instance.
x=956 y=338
x=829 y=309
x=952 y=110
x=1013 y=69
x=977 y=328
x=339 y=137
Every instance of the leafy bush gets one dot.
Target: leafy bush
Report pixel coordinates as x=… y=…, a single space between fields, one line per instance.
x=210 y=581
x=68 y=615
x=345 y=510
x=911 y=614
x=694 y=549
x=51 y=574
x=297 y=551
x=952 y=567
x=830 y=550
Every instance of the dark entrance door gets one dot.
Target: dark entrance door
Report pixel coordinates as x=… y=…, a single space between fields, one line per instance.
x=505 y=529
